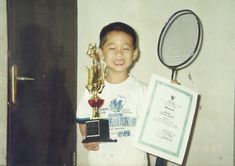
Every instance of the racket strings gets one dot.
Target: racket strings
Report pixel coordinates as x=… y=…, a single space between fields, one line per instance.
x=180 y=40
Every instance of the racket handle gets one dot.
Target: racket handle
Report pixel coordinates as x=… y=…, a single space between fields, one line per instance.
x=173 y=74
x=160 y=162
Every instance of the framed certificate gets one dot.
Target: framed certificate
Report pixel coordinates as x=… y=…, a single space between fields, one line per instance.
x=164 y=127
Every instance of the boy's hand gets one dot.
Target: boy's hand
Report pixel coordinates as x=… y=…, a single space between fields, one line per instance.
x=175 y=82
x=93 y=146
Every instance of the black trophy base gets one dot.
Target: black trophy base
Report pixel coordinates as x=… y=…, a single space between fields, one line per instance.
x=97 y=130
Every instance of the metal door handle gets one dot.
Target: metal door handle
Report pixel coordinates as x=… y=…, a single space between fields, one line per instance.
x=14 y=79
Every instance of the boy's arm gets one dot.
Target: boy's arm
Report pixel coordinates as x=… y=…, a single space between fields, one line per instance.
x=82 y=130
x=81 y=118
x=94 y=146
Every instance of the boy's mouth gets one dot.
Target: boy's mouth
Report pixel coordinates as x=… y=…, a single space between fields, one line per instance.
x=119 y=62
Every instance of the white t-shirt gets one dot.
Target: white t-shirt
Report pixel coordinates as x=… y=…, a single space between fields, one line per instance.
x=122 y=103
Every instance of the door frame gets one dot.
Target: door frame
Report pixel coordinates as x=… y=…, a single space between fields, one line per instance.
x=3 y=82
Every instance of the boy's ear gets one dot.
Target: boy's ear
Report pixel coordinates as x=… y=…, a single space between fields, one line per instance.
x=100 y=53
x=136 y=54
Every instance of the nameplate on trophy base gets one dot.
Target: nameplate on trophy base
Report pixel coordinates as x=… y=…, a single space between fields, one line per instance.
x=97 y=130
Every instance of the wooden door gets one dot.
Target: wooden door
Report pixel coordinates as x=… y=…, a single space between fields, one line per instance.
x=42 y=37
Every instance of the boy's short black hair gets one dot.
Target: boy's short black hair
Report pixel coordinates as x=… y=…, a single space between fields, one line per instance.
x=118 y=26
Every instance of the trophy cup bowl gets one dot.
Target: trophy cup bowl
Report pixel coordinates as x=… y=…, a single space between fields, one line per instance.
x=96 y=103
x=96 y=128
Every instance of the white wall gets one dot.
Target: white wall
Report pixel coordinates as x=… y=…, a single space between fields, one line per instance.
x=213 y=72
x=3 y=82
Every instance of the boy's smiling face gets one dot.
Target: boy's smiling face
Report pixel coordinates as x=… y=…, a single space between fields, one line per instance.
x=118 y=52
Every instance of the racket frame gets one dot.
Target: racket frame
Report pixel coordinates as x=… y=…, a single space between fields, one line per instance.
x=189 y=60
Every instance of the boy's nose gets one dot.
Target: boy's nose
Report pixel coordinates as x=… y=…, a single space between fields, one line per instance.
x=119 y=52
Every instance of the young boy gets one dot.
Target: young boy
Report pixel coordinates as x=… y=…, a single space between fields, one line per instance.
x=122 y=94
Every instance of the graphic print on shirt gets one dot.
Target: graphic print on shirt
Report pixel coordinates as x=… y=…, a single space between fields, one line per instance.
x=119 y=122
x=117 y=104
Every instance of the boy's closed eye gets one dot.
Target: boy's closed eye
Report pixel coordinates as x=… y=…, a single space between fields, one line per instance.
x=111 y=48
x=127 y=49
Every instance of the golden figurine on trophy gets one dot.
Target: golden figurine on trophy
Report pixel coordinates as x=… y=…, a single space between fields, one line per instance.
x=97 y=129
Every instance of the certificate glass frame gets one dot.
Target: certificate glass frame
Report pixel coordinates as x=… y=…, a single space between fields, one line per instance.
x=168 y=112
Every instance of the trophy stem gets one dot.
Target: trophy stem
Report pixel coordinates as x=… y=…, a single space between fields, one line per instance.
x=95 y=113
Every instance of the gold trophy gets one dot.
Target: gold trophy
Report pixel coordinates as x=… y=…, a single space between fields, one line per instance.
x=97 y=129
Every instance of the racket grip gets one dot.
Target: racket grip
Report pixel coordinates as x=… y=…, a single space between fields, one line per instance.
x=173 y=74
x=160 y=162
